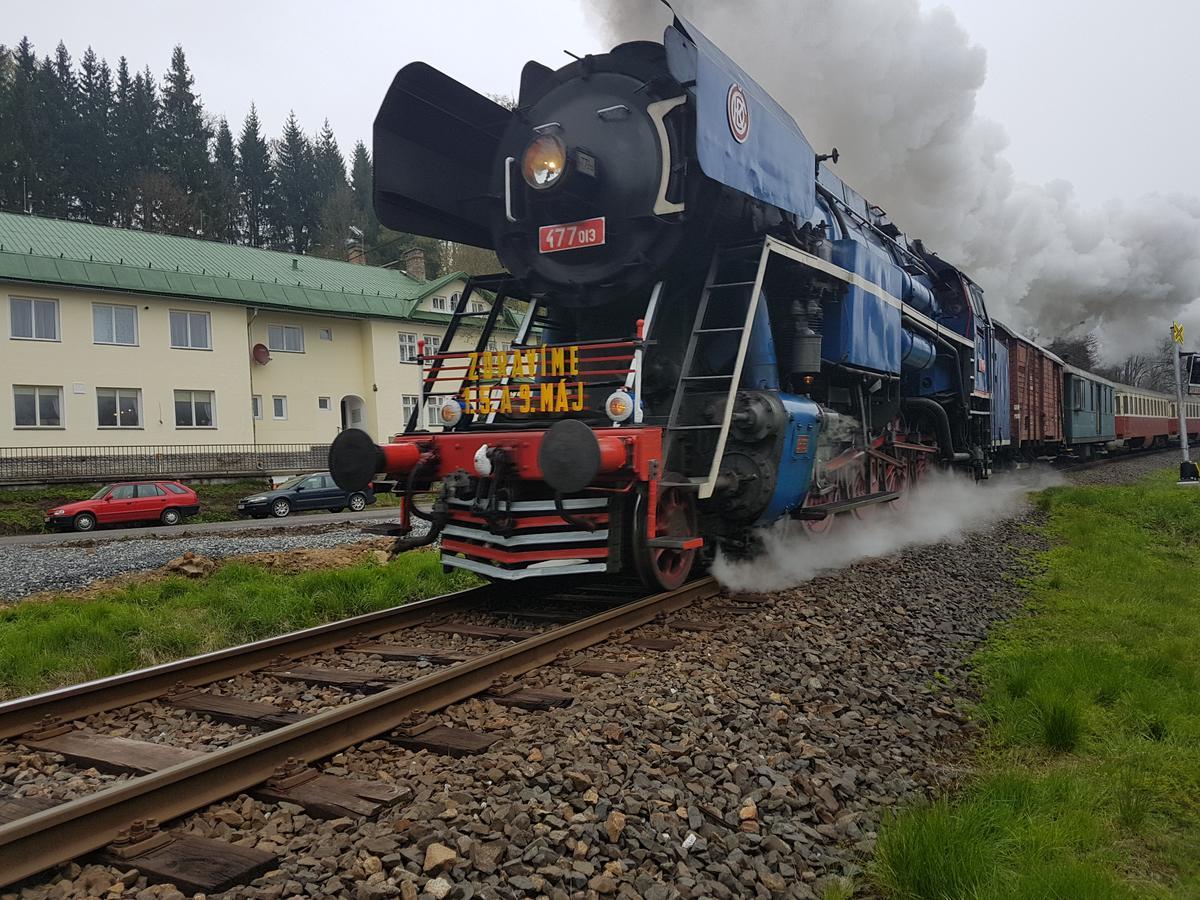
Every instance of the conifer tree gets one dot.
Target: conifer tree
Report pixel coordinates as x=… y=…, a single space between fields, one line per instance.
x=295 y=186
x=183 y=146
x=254 y=180
x=59 y=112
x=330 y=166
x=362 y=183
x=223 y=217
x=94 y=161
x=139 y=140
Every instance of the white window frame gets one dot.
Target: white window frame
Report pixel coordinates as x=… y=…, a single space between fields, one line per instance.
x=33 y=302
x=478 y=306
x=37 y=407
x=408 y=403
x=440 y=304
x=212 y=408
x=287 y=329
x=408 y=348
x=435 y=340
x=256 y=411
x=282 y=397
x=189 y=313
x=325 y=334
x=112 y=315
x=433 y=412
x=117 y=391
x=324 y=404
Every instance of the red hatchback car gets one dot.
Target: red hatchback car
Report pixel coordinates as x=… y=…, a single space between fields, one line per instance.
x=167 y=502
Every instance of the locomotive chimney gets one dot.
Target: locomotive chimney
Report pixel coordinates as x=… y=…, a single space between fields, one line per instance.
x=414 y=262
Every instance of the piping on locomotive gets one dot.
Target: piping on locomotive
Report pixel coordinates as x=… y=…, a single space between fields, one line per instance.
x=716 y=332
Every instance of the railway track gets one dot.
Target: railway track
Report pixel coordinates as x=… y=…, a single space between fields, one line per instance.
x=121 y=819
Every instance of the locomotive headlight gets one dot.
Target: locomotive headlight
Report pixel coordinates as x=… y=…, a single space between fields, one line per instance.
x=451 y=412
x=619 y=406
x=544 y=161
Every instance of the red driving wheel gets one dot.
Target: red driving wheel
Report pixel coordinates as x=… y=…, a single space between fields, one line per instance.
x=665 y=568
x=896 y=480
x=820 y=527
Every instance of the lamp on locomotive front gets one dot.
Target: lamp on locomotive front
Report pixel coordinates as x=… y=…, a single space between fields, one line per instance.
x=544 y=161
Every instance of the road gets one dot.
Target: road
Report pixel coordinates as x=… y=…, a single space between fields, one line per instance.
x=292 y=523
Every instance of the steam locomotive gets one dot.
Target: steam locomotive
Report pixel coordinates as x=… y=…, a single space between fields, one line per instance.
x=716 y=333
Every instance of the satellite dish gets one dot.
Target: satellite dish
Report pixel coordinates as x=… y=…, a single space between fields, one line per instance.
x=261 y=354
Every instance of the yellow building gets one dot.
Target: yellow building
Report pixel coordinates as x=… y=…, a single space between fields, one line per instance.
x=148 y=342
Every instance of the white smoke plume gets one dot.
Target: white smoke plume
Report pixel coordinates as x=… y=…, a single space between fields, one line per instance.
x=893 y=86
x=945 y=508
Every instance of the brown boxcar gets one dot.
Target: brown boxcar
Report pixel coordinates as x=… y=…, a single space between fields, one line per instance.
x=1035 y=379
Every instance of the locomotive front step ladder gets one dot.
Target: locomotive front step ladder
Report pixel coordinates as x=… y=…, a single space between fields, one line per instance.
x=702 y=408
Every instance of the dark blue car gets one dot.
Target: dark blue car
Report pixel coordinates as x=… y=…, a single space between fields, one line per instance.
x=305 y=492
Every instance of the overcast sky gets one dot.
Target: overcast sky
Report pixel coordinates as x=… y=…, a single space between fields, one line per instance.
x=1091 y=91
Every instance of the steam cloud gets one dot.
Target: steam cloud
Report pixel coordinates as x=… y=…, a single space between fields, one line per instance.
x=894 y=87
x=946 y=508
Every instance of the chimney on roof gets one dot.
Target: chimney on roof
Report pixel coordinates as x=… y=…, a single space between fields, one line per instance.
x=414 y=262
x=355 y=255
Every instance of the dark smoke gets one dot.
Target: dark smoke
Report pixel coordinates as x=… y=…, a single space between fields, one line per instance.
x=893 y=86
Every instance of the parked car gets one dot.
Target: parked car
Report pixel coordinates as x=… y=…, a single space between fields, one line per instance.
x=316 y=491
x=127 y=502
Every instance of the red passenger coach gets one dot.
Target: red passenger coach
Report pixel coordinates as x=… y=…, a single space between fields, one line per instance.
x=1147 y=418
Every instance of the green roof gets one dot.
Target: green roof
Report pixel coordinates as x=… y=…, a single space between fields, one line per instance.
x=76 y=254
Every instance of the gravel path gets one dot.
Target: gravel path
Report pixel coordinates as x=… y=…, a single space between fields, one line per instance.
x=26 y=570
x=1123 y=471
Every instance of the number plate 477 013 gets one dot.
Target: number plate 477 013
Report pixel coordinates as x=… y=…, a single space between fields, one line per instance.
x=571 y=235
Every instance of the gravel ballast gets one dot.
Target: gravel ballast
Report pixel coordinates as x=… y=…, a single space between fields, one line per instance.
x=754 y=760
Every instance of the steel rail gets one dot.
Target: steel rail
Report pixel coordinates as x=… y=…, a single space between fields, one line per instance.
x=37 y=842
x=74 y=702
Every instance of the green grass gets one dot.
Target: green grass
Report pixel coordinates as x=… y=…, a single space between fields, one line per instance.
x=1089 y=782
x=22 y=510
x=64 y=641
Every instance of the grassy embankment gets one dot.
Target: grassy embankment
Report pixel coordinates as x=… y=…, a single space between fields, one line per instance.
x=64 y=641
x=22 y=510
x=1089 y=783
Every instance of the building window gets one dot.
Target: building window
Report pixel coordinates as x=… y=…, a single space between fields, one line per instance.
x=37 y=405
x=194 y=409
x=478 y=306
x=325 y=334
x=454 y=298
x=285 y=338
x=190 y=330
x=118 y=408
x=279 y=407
x=33 y=320
x=491 y=346
x=408 y=405
x=114 y=324
x=440 y=304
x=433 y=344
x=256 y=406
x=408 y=347
x=433 y=412
x=323 y=403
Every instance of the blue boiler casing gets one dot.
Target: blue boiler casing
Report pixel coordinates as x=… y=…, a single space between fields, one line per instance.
x=797 y=459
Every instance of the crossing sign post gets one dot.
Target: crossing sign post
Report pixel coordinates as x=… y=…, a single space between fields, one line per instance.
x=1187 y=469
